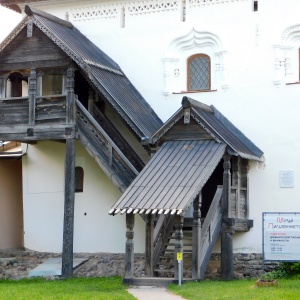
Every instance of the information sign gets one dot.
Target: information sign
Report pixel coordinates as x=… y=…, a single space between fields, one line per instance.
x=281 y=236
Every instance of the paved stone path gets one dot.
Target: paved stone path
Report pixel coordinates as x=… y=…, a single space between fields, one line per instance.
x=152 y=292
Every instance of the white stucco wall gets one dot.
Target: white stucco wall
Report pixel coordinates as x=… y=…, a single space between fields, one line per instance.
x=252 y=91
x=43 y=198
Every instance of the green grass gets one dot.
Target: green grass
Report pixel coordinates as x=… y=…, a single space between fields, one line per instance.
x=76 y=288
x=238 y=290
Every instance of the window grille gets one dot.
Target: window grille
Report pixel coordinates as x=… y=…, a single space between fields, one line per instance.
x=199 y=72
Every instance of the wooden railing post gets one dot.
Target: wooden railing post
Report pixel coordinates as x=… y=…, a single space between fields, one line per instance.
x=196 y=250
x=129 y=249
x=149 y=245
x=70 y=105
x=32 y=96
x=178 y=245
x=67 y=253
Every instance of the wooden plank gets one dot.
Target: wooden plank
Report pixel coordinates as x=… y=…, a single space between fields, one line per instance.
x=149 y=245
x=32 y=95
x=68 y=232
x=129 y=249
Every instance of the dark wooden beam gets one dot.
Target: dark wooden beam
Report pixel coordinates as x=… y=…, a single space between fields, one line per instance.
x=227 y=224
x=70 y=105
x=129 y=249
x=196 y=250
x=149 y=245
x=68 y=233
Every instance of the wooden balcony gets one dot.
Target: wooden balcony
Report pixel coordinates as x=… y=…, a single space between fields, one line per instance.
x=38 y=118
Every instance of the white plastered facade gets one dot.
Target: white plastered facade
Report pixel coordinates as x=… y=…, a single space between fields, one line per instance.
x=255 y=54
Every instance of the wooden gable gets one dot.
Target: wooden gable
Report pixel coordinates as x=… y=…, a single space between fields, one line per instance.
x=31 y=52
x=192 y=131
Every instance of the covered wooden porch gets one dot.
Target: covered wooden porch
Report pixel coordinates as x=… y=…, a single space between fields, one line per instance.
x=169 y=194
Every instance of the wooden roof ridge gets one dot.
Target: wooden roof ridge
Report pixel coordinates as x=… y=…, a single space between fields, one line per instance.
x=30 y=11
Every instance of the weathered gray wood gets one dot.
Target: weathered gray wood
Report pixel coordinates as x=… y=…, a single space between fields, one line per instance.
x=196 y=250
x=226 y=185
x=244 y=189
x=67 y=253
x=40 y=132
x=235 y=189
x=129 y=249
x=32 y=95
x=149 y=245
x=178 y=245
x=2 y=86
x=210 y=230
x=70 y=105
x=228 y=229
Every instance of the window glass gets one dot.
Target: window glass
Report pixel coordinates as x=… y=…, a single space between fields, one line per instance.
x=52 y=85
x=199 y=72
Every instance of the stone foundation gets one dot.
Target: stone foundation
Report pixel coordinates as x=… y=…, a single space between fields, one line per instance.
x=16 y=264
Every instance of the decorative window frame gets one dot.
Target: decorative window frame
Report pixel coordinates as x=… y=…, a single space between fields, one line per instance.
x=183 y=47
x=287 y=60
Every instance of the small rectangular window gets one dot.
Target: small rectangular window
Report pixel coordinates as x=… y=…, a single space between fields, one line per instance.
x=52 y=85
x=255 y=5
x=79 y=175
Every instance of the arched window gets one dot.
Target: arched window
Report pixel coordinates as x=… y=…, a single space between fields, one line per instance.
x=79 y=175
x=198 y=72
x=17 y=85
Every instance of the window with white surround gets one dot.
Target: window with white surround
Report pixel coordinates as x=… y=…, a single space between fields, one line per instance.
x=287 y=57
x=195 y=62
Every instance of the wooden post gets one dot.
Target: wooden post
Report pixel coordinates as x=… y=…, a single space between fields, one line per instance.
x=227 y=224
x=67 y=253
x=70 y=105
x=236 y=186
x=178 y=244
x=196 y=249
x=129 y=249
x=32 y=95
x=3 y=79
x=149 y=245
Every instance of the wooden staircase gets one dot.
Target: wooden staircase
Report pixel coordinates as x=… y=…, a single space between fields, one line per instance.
x=164 y=241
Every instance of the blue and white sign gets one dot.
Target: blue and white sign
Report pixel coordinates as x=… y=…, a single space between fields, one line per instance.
x=281 y=236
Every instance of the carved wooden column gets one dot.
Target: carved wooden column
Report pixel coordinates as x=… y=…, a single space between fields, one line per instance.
x=236 y=184
x=178 y=244
x=149 y=245
x=244 y=187
x=129 y=249
x=67 y=254
x=70 y=105
x=32 y=95
x=3 y=79
x=196 y=250
x=227 y=224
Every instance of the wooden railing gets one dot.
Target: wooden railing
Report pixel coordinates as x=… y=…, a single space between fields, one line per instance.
x=161 y=234
x=210 y=230
x=100 y=146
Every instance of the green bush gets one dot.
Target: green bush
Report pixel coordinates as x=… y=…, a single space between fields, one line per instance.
x=291 y=268
x=275 y=274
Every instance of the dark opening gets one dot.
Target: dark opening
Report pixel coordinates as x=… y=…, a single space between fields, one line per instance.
x=255 y=6
x=209 y=189
x=79 y=175
x=81 y=89
x=16 y=84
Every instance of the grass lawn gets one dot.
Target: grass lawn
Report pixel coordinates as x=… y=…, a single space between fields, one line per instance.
x=238 y=290
x=76 y=288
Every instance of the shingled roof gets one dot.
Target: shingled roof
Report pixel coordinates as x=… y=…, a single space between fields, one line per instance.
x=104 y=73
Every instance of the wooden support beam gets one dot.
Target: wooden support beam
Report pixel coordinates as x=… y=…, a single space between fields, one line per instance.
x=32 y=96
x=67 y=253
x=227 y=224
x=129 y=249
x=149 y=245
x=236 y=187
x=227 y=230
x=178 y=244
x=70 y=105
x=196 y=250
